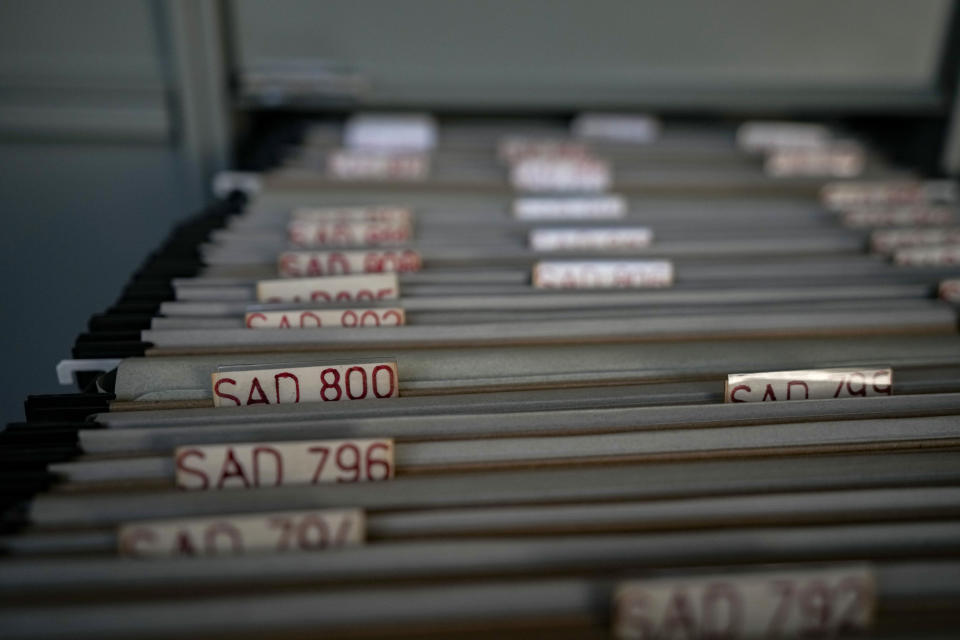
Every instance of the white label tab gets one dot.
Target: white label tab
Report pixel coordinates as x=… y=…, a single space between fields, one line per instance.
x=402 y=131
x=586 y=239
x=571 y=208
x=350 y=226
x=280 y=464
x=949 y=290
x=275 y=532
x=808 y=384
x=569 y=274
x=349 y=164
x=319 y=233
x=898 y=216
x=374 y=286
x=318 y=318
x=635 y=128
x=299 y=264
x=927 y=256
x=889 y=240
x=824 y=603
x=373 y=213
x=836 y=161
x=235 y=387
x=511 y=150
x=842 y=195
x=540 y=173
x=773 y=135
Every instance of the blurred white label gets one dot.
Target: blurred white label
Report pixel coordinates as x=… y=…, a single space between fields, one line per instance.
x=600 y=238
x=949 y=290
x=369 y=287
x=401 y=132
x=809 y=384
x=618 y=127
x=319 y=233
x=927 y=256
x=300 y=264
x=842 y=195
x=351 y=164
x=824 y=603
x=898 y=216
x=773 y=136
x=570 y=274
x=541 y=173
x=889 y=240
x=377 y=213
x=838 y=161
x=273 y=532
x=278 y=464
x=513 y=149
x=330 y=318
x=571 y=208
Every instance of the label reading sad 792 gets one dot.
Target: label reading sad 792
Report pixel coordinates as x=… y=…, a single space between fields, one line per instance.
x=805 y=604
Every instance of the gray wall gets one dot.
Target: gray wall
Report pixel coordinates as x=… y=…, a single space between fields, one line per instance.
x=695 y=54
x=92 y=170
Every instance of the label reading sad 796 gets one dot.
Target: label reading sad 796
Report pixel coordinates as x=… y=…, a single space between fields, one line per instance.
x=280 y=464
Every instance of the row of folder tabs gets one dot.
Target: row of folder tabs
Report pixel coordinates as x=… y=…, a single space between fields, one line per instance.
x=614 y=376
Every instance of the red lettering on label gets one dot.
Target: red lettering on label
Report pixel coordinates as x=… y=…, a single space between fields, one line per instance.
x=886 y=389
x=769 y=394
x=733 y=392
x=861 y=381
x=184 y=544
x=232 y=469
x=852 y=585
x=288 y=261
x=261 y=398
x=220 y=394
x=252 y=316
x=784 y=590
x=182 y=466
x=679 y=617
x=220 y=529
x=390 y=381
x=288 y=375
x=309 y=314
x=806 y=389
x=351 y=464
x=721 y=597
x=372 y=463
x=348 y=381
x=324 y=454
x=286 y=530
x=277 y=464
